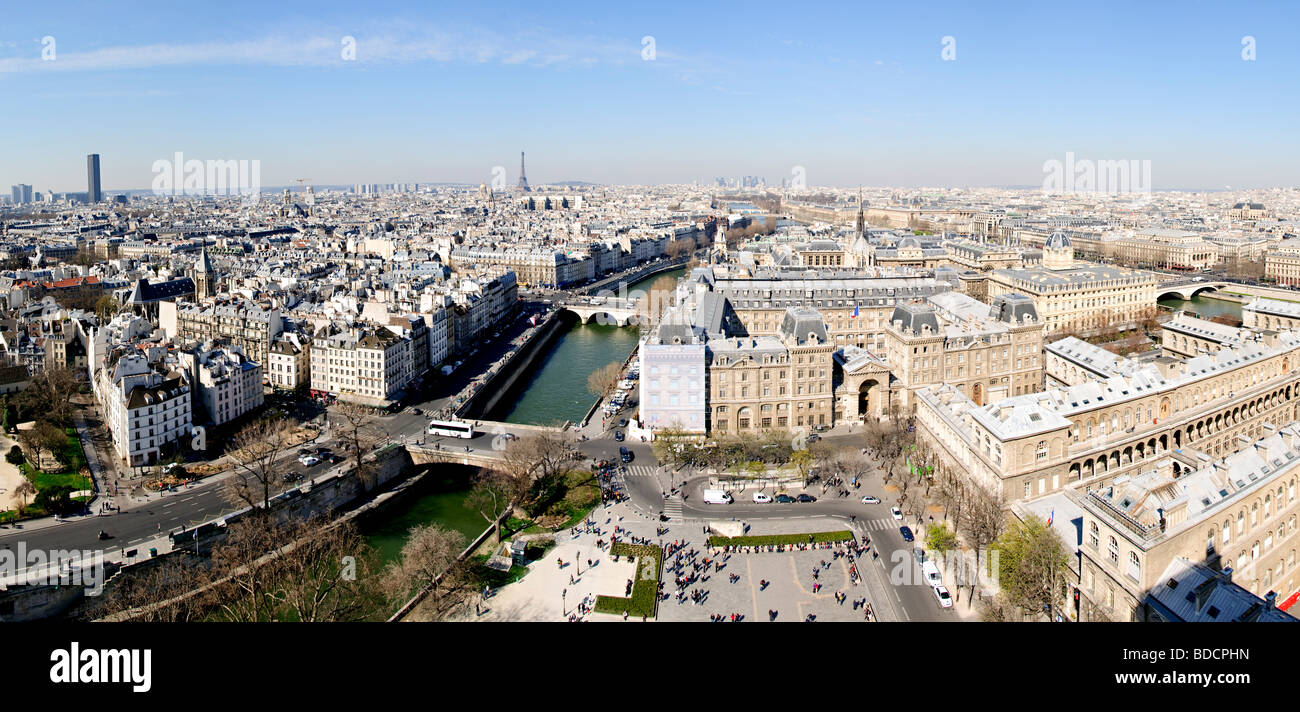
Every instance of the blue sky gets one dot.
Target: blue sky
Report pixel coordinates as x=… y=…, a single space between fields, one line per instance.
x=856 y=93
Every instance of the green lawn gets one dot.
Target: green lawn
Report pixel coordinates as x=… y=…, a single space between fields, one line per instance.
x=775 y=539
x=645 y=590
x=69 y=474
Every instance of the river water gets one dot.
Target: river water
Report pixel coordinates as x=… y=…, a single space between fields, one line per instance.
x=1203 y=306
x=558 y=389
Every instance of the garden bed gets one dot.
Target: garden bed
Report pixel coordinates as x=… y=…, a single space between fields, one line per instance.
x=780 y=539
x=645 y=589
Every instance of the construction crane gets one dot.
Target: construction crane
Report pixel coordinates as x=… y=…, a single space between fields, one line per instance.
x=300 y=180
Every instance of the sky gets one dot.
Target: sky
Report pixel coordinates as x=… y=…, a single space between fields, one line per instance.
x=859 y=93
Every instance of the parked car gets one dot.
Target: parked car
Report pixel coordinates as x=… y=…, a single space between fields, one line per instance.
x=907 y=534
x=783 y=499
x=805 y=497
x=898 y=513
x=941 y=593
x=762 y=498
x=309 y=460
x=870 y=500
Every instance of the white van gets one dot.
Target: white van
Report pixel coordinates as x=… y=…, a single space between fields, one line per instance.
x=716 y=497
x=931 y=573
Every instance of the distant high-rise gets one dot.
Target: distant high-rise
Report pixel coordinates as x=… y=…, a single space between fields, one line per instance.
x=22 y=194
x=93 y=194
x=523 y=178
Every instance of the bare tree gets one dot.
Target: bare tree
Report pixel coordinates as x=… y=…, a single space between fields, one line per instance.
x=431 y=554
x=357 y=430
x=538 y=463
x=24 y=490
x=985 y=516
x=492 y=494
x=327 y=575
x=603 y=380
x=42 y=437
x=257 y=448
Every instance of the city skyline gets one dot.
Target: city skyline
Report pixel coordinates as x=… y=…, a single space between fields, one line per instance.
x=885 y=96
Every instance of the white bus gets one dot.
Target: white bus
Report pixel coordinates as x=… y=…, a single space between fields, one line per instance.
x=451 y=428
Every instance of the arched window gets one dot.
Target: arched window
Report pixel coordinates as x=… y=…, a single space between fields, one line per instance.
x=1113 y=547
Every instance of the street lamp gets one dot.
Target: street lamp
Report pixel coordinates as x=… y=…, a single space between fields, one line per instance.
x=564 y=607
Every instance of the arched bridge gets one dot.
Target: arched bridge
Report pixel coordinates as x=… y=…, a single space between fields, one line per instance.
x=608 y=310
x=1187 y=288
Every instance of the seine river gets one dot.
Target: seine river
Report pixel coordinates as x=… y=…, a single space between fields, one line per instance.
x=1204 y=307
x=558 y=389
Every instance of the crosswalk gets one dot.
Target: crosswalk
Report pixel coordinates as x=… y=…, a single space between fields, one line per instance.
x=879 y=525
x=641 y=471
x=673 y=509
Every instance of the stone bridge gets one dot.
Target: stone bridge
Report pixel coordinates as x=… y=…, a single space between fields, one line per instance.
x=609 y=310
x=475 y=457
x=1186 y=288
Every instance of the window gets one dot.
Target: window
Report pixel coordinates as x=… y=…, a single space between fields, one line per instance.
x=1042 y=450
x=1113 y=547
x=1093 y=538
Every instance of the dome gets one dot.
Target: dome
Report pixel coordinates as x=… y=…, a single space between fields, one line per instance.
x=1057 y=241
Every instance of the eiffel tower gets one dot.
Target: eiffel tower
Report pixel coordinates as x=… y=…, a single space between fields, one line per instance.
x=523 y=179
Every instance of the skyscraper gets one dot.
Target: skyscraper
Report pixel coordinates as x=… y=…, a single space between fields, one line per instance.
x=523 y=179
x=22 y=194
x=93 y=194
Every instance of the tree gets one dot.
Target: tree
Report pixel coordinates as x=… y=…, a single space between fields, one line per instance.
x=258 y=446
x=57 y=500
x=43 y=437
x=803 y=460
x=493 y=492
x=106 y=307
x=939 y=538
x=985 y=516
x=604 y=380
x=356 y=426
x=1032 y=566
x=15 y=456
x=49 y=395
x=24 y=490
x=431 y=554
x=538 y=464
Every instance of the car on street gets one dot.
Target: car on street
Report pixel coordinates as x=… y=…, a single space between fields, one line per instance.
x=898 y=513
x=813 y=437
x=309 y=460
x=762 y=498
x=941 y=593
x=625 y=455
x=870 y=500
x=618 y=435
x=783 y=499
x=907 y=534
x=805 y=497
x=622 y=422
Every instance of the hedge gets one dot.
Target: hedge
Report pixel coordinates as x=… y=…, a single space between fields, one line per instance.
x=645 y=588
x=777 y=539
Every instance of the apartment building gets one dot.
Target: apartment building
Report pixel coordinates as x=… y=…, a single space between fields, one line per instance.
x=226 y=383
x=1236 y=513
x=288 y=365
x=147 y=409
x=1087 y=434
x=233 y=322
x=367 y=364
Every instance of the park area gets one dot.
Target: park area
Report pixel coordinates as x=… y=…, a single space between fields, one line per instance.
x=43 y=473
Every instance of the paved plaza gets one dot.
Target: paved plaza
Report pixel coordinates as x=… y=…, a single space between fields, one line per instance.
x=551 y=593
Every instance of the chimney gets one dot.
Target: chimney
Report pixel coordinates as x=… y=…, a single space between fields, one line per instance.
x=1227 y=574
x=1270 y=600
x=1160 y=512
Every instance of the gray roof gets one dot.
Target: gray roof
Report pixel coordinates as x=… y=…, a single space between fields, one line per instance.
x=916 y=316
x=803 y=325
